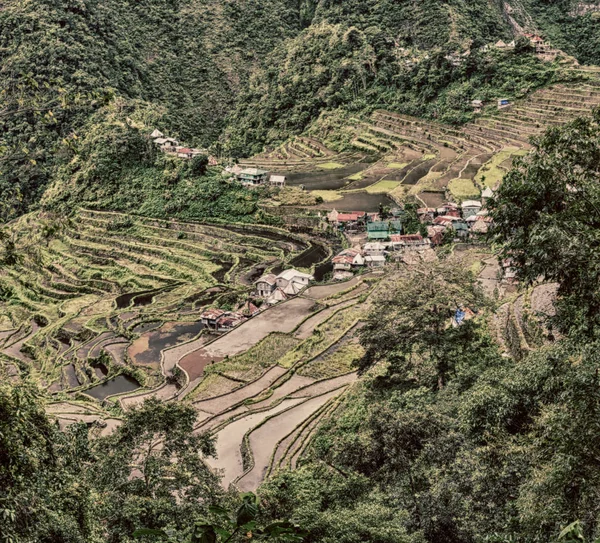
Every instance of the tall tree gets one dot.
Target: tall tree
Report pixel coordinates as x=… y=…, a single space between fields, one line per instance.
x=547 y=216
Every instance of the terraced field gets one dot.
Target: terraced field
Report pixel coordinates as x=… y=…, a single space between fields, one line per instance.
x=94 y=301
x=103 y=311
x=433 y=161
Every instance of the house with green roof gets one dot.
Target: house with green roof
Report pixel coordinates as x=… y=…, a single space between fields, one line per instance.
x=381 y=230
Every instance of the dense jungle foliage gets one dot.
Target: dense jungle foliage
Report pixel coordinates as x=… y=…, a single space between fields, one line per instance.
x=334 y=66
x=114 y=166
x=63 y=60
x=257 y=70
x=570 y=25
x=448 y=440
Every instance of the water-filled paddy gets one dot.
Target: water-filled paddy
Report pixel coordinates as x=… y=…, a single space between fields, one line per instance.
x=359 y=201
x=116 y=385
x=147 y=348
x=325 y=180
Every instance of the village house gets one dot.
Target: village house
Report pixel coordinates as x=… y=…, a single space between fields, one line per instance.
x=252 y=177
x=289 y=283
x=461 y=229
x=277 y=296
x=277 y=180
x=374 y=249
x=436 y=234
x=503 y=103
x=156 y=134
x=426 y=214
x=509 y=271
x=337 y=218
x=470 y=207
x=409 y=242
x=477 y=106
x=486 y=194
x=229 y=321
x=292 y=276
x=266 y=285
x=381 y=230
x=248 y=309
x=210 y=317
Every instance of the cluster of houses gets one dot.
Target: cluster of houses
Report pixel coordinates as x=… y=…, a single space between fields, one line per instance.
x=270 y=287
x=173 y=147
x=278 y=288
x=255 y=177
x=385 y=241
x=220 y=320
x=375 y=255
x=467 y=221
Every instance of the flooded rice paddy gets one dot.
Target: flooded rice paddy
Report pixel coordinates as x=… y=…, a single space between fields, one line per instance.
x=325 y=180
x=146 y=350
x=116 y=385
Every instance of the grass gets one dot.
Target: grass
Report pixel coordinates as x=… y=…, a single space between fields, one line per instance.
x=356 y=177
x=492 y=170
x=382 y=186
x=251 y=364
x=397 y=165
x=327 y=195
x=294 y=196
x=337 y=363
x=428 y=156
x=325 y=334
x=463 y=189
x=331 y=165
x=73 y=275
x=212 y=385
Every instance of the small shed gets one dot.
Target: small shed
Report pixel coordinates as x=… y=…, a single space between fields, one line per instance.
x=278 y=180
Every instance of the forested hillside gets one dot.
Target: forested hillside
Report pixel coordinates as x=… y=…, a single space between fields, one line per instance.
x=62 y=61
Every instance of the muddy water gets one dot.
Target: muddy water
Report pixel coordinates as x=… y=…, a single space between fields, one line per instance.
x=313 y=255
x=325 y=180
x=194 y=363
x=101 y=371
x=322 y=270
x=419 y=172
x=71 y=375
x=220 y=274
x=359 y=201
x=117 y=385
x=145 y=327
x=147 y=348
x=139 y=298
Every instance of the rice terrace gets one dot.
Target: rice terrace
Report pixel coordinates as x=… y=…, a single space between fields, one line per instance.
x=306 y=271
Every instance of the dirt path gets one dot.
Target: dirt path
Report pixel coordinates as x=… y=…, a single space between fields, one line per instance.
x=229 y=440
x=263 y=440
x=293 y=384
x=324 y=291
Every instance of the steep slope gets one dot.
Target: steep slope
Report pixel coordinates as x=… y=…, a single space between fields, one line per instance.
x=62 y=60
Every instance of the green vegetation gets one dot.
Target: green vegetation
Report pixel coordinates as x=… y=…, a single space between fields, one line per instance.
x=447 y=437
x=327 y=195
x=114 y=167
x=256 y=360
x=546 y=214
x=463 y=189
x=492 y=172
x=382 y=186
x=569 y=26
x=356 y=70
